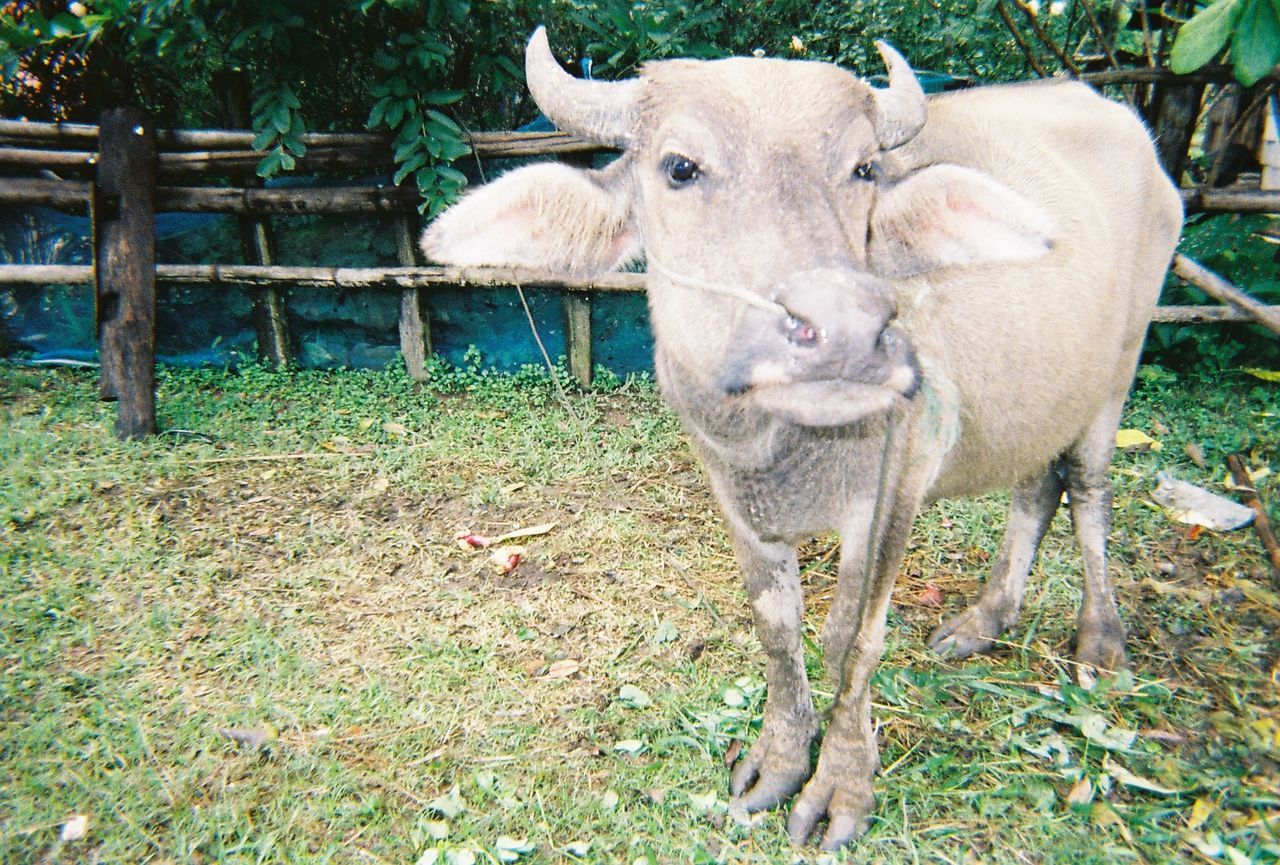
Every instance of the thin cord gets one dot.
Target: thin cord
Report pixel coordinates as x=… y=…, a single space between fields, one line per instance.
x=747 y=297
x=551 y=370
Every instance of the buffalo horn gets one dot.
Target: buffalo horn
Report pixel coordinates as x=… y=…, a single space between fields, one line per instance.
x=601 y=111
x=900 y=107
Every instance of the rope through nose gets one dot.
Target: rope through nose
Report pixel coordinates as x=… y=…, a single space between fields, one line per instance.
x=747 y=297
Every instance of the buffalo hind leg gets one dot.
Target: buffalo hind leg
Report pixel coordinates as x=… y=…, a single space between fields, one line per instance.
x=1100 y=635
x=1032 y=506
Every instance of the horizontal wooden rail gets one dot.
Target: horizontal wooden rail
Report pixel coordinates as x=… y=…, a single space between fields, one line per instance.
x=84 y=136
x=1230 y=200
x=440 y=277
x=74 y=195
x=333 y=277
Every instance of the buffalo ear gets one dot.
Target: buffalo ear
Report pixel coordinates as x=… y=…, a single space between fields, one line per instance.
x=547 y=216
x=945 y=215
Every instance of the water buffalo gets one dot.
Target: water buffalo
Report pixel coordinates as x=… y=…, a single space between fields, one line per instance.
x=862 y=301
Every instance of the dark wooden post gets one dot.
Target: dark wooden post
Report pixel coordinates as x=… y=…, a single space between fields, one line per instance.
x=1176 y=108
x=270 y=315
x=124 y=232
x=415 y=319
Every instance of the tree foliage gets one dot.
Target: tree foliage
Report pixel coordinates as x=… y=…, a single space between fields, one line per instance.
x=423 y=70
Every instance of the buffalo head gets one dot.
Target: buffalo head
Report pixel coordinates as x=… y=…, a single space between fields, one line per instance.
x=774 y=214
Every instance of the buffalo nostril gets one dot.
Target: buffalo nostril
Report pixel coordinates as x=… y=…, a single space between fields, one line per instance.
x=800 y=332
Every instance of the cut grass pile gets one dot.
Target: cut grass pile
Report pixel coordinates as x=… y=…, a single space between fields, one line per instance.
x=254 y=639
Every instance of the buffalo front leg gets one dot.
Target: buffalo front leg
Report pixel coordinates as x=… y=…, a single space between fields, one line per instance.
x=778 y=763
x=840 y=790
x=1031 y=508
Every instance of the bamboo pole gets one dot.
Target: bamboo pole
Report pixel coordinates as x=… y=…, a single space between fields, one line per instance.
x=1220 y=289
x=501 y=144
x=1239 y=468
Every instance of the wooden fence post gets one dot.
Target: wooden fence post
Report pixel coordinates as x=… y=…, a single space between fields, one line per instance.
x=577 y=310
x=124 y=248
x=415 y=319
x=577 y=335
x=270 y=314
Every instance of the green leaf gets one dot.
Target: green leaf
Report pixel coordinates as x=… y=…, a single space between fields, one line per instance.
x=280 y=118
x=452 y=176
x=265 y=139
x=270 y=164
x=411 y=165
x=394 y=114
x=1255 y=50
x=1202 y=38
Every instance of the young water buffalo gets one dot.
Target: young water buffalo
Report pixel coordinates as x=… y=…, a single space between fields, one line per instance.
x=863 y=301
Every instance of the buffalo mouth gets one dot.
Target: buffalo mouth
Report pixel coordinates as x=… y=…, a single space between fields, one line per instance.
x=834 y=402
x=834 y=397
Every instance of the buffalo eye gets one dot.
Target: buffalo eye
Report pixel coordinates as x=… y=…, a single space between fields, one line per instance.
x=680 y=170
x=865 y=171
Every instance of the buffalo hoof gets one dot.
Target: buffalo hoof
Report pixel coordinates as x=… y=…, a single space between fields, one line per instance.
x=774 y=769
x=842 y=797
x=975 y=630
x=1099 y=650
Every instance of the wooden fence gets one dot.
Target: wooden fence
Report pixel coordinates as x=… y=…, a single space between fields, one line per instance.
x=122 y=171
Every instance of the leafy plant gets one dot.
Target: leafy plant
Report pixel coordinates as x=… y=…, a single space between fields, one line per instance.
x=1252 y=27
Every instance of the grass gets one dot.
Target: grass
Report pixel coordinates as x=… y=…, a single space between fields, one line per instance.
x=254 y=639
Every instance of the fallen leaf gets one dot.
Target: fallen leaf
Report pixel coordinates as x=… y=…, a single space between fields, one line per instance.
x=437 y=829
x=396 y=429
x=510 y=849
x=1159 y=427
x=734 y=698
x=609 y=800
x=530 y=532
x=1129 y=779
x=1196 y=454
x=629 y=746
x=1272 y=375
x=656 y=795
x=74 y=829
x=380 y=484
x=578 y=848
x=428 y=857
x=562 y=669
x=1135 y=441
x=448 y=805
x=1081 y=793
x=1188 y=503
x=365 y=423
x=1201 y=809
x=461 y=856
x=252 y=738
x=633 y=697
x=731 y=753
x=930 y=596
x=703 y=801
x=1104 y=815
